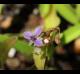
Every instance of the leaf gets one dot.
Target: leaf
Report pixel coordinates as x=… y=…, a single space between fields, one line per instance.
x=6 y=45
x=52 y=20
x=20 y=45
x=4 y=49
x=78 y=10
x=70 y=34
x=10 y=42
x=67 y=12
x=44 y=9
x=39 y=61
x=1 y=6
x=3 y=37
x=23 y=47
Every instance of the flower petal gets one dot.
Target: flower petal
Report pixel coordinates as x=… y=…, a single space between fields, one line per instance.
x=38 y=31
x=38 y=42
x=28 y=35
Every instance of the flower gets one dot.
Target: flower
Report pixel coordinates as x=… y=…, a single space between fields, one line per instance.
x=34 y=37
x=46 y=41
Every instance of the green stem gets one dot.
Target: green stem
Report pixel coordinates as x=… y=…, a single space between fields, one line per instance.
x=46 y=58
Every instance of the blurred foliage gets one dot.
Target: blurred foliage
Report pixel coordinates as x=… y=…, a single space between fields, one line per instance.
x=20 y=45
x=1 y=6
x=70 y=34
x=51 y=20
x=4 y=49
x=68 y=13
x=78 y=11
x=72 y=16
x=24 y=48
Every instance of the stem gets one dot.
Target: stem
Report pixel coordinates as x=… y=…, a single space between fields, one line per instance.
x=46 y=61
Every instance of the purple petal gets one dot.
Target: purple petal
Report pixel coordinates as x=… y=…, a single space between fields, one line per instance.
x=38 y=42
x=28 y=35
x=38 y=31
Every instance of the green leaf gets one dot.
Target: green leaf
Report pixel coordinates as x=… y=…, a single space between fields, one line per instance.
x=20 y=45
x=70 y=34
x=78 y=10
x=24 y=48
x=4 y=49
x=44 y=9
x=10 y=42
x=51 y=20
x=1 y=6
x=68 y=13
x=3 y=37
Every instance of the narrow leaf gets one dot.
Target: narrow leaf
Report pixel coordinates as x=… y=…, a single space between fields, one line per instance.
x=78 y=10
x=70 y=34
x=67 y=12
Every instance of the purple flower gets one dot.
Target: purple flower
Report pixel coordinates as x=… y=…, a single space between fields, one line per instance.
x=34 y=36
